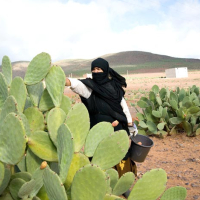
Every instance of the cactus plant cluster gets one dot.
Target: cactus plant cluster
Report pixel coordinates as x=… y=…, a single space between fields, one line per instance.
x=166 y=111
x=42 y=138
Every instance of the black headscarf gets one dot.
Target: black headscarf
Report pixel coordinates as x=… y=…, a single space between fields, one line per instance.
x=107 y=85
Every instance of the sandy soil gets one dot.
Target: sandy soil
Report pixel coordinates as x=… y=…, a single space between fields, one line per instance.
x=179 y=155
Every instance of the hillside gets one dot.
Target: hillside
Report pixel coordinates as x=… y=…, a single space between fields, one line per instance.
x=133 y=61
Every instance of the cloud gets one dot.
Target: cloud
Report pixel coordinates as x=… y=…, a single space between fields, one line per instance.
x=74 y=29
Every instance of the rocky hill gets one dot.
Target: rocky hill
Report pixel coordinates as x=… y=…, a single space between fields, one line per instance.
x=131 y=61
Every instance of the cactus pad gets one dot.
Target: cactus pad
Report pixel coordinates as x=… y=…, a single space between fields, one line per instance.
x=10 y=105
x=23 y=175
x=37 y=68
x=35 y=119
x=7 y=69
x=66 y=104
x=2 y=171
x=6 y=179
x=18 y=90
x=178 y=193
x=14 y=187
x=12 y=135
x=53 y=185
x=41 y=145
x=46 y=102
x=55 y=83
x=150 y=186
x=96 y=134
x=79 y=124
x=65 y=150
x=35 y=92
x=79 y=160
x=55 y=118
x=93 y=183
x=32 y=187
x=114 y=177
x=3 y=90
x=124 y=183
x=26 y=189
x=32 y=161
x=111 y=150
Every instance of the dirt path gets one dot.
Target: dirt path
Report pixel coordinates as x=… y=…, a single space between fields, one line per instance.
x=179 y=156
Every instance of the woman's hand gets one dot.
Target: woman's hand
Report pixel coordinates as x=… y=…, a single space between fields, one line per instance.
x=67 y=82
x=115 y=123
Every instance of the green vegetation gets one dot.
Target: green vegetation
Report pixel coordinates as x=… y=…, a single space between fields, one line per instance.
x=164 y=112
x=42 y=136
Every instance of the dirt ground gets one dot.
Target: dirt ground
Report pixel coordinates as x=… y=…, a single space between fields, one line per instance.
x=179 y=155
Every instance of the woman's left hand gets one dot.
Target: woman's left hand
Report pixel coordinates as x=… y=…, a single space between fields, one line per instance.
x=115 y=123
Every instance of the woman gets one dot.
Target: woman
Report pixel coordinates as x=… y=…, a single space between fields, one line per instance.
x=103 y=95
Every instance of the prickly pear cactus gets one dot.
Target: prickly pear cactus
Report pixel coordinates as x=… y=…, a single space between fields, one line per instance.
x=2 y=171
x=78 y=161
x=38 y=123
x=3 y=89
x=114 y=177
x=124 y=183
x=56 y=117
x=32 y=187
x=35 y=92
x=94 y=189
x=7 y=69
x=6 y=178
x=22 y=175
x=110 y=151
x=66 y=104
x=41 y=145
x=178 y=193
x=12 y=135
x=35 y=119
x=96 y=134
x=37 y=69
x=65 y=150
x=18 y=90
x=46 y=102
x=10 y=105
x=53 y=185
x=79 y=124
x=32 y=161
x=15 y=186
x=150 y=186
x=55 y=82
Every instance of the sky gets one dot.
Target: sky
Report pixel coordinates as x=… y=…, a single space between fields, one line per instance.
x=86 y=29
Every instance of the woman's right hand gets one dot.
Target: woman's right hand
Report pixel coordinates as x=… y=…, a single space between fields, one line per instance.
x=67 y=82
x=115 y=123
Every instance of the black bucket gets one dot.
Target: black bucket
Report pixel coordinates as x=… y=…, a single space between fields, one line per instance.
x=139 y=152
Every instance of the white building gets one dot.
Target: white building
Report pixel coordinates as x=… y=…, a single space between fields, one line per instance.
x=180 y=72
